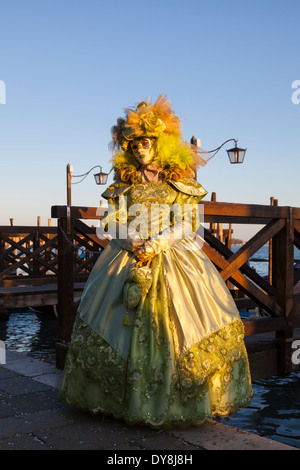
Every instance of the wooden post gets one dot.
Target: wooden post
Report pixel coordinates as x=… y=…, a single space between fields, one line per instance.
x=65 y=289
x=220 y=232
x=2 y=253
x=69 y=177
x=36 y=245
x=196 y=143
x=213 y=225
x=283 y=281
x=228 y=244
x=271 y=250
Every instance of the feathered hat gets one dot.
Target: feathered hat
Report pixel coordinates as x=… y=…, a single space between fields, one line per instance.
x=147 y=120
x=160 y=122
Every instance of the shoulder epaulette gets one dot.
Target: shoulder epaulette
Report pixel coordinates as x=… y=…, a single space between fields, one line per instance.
x=115 y=190
x=189 y=186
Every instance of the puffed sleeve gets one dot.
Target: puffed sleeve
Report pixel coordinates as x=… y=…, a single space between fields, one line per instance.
x=114 y=220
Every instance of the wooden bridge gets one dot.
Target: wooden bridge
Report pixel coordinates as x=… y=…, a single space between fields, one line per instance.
x=29 y=260
x=58 y=260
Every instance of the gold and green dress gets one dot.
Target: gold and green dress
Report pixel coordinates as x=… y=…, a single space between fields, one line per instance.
x=161 y=345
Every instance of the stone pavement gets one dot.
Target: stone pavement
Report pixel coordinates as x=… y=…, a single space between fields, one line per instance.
x=32 y=419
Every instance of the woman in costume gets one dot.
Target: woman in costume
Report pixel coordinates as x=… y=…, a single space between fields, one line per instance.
x=157 y=339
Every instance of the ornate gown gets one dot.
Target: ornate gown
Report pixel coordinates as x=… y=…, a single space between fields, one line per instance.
x=180 y=358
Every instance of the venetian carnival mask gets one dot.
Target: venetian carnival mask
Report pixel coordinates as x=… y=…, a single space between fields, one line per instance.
x=143 y=150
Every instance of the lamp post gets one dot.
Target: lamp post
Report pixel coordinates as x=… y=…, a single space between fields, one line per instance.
x=100 y=178
x=235 y=154
x=69 y=178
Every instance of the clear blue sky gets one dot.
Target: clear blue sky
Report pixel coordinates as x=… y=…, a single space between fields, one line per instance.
x=71 y=66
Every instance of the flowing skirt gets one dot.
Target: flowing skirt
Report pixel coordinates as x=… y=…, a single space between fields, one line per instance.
x=180 y=361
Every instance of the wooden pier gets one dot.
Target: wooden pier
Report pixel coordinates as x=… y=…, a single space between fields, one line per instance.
x=57 y=271
x=29 y=264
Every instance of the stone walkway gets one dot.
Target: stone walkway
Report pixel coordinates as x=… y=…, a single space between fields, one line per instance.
x=32 y=419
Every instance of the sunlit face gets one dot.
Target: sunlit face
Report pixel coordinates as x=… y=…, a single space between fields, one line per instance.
x=143 y=150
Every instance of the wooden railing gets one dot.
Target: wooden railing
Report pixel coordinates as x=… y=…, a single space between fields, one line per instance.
x=29 y=263
x=276 y=296
x=282 y=227
x=30 y=250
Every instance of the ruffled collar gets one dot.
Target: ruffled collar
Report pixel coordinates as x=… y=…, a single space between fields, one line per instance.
x=150 y=172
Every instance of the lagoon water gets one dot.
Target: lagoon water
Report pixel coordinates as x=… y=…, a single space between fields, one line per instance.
x=31 y=332
x=274 y=411
x=259 y=260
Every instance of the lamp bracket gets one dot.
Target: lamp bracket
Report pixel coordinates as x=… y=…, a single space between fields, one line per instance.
x=85 y=174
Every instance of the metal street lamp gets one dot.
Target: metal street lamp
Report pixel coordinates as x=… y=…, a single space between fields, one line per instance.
x=235 y=155
x=100 y=178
